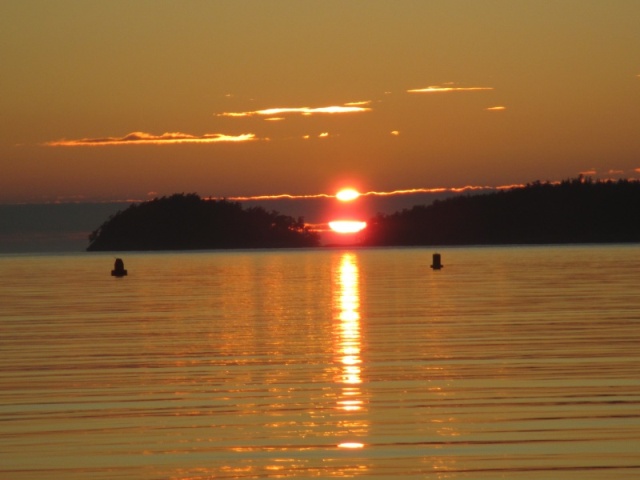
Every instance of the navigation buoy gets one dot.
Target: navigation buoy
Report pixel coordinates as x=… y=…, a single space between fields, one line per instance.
x=118 y=268
x=436 y=265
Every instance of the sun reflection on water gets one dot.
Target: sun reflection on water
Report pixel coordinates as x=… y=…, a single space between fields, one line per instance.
x=349 y=327
x=348 y=347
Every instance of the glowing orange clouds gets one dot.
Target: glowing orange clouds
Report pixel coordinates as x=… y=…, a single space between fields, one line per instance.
x=142 y=138
x=273 y=115
x=279 y=196
x=354 y=107
x=347 y=194
x=409 y=191
x=347 y=226
x=439 y=89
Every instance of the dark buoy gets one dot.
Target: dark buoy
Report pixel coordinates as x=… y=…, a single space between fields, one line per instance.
x=436 y=265
x=118 y=268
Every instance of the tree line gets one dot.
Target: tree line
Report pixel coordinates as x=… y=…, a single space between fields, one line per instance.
x=577 y=210
x=188 y=222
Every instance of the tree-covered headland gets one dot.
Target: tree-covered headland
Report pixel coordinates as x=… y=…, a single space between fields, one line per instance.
x=188 y=222
x=573 y=211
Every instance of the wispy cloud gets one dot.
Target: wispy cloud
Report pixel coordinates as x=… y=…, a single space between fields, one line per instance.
x=142 y=138
x=279 y=196
x=444 y=89
x=498 y=108
x=410 y=191
x=320 y=135
x=355 y=107
x=272 y=115
x=361 y=103
x=611 y=174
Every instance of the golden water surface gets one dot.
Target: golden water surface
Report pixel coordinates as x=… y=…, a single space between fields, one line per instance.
x=515 y=363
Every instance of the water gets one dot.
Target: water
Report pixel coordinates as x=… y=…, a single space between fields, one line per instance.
x=514 y=363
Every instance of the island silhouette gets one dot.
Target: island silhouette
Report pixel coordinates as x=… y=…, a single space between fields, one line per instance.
x=188 y=222
x=578 y=210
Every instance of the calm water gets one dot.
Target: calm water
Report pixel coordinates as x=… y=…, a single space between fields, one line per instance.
x=514 y=363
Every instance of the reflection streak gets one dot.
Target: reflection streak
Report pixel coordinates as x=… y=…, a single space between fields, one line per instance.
x=348 y=347
x=349 y=316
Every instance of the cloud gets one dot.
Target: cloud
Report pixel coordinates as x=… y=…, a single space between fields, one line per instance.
x=278 y=196
x=498 y=108
x=354 y=107
x=439 y=89
x=142 y=138
x=320 y=135
x=276 y=114
x=361 y=103
x=410 y=191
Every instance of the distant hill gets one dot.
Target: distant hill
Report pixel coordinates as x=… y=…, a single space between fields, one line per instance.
x=52 y=227
x=573 y=211
x=187 y=222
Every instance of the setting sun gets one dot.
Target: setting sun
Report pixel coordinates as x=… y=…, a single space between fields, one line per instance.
x=347 y=226
x=347 y=194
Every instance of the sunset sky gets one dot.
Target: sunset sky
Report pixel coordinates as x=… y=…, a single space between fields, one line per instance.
x=117 y=100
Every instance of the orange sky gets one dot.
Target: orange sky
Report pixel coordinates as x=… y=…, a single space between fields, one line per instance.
x=134 y=99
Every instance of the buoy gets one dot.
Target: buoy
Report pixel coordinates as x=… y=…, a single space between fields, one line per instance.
x=118 y=268
x=436 y=265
